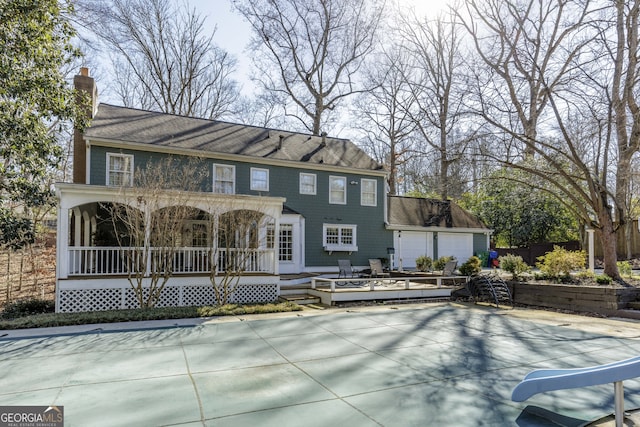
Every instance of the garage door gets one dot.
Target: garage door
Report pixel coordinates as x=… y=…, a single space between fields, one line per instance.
x=460 y=245
x=411 y=246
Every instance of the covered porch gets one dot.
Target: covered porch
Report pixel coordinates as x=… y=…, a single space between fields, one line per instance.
x=98 y=251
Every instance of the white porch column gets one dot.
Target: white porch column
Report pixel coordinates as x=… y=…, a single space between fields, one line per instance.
x=86 y=232
x=77 y=226
x=276 y=246
x=62 y=243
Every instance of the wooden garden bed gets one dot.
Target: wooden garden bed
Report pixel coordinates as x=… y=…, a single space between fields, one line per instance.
x=604 y=299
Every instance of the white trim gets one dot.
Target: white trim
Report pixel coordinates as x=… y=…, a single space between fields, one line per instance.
x=375 y=192
x=344 y=198
x=251 y=184
x=233 y=179
x=340 y=246
x=400 y=227
x=315 y=183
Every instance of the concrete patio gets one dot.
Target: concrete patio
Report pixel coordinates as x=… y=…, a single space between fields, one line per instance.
x=393 y=365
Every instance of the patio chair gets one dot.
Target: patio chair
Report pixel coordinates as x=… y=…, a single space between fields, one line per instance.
x=450 y=268
x=346 y=270
x=377 y=270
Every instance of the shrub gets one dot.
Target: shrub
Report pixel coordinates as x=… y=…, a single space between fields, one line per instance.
x=441 y=262
x=27 y=307
x=586 y=275
x=541 y=276
x=560 y=262
x=624 y=267
x=603 y=279
x=514 y=264
x=424 y=263
x=111 y=316
x=471 y=267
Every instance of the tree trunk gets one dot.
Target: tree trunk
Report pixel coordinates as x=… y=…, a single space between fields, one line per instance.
x=609 y=245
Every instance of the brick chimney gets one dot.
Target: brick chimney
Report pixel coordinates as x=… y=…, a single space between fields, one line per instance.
x=83 y=83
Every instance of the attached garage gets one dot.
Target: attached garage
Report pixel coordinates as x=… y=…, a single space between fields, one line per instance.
x=458 y=245
x=434 y=228
x=411 y=244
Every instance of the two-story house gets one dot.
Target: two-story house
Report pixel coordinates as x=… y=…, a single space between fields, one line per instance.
x=324 y=197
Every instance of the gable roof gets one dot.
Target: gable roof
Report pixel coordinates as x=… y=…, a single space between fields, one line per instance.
x=128 y=125
x=421 y=212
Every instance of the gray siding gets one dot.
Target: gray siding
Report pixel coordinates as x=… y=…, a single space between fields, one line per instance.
x=372 y=237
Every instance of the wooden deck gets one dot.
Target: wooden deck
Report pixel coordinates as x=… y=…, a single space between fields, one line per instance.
x=331 y=291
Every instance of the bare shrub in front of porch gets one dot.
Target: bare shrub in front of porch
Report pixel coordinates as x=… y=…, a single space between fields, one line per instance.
x=148 y=222
x=236 y=248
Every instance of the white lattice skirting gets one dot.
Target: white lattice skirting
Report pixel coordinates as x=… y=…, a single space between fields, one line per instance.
x=123 y=297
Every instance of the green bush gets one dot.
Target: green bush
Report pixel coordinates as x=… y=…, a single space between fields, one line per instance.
x=27 y=307
x=560 y=262
x=624 y=267
x=471 y=267
x=514 y=264
x=541 y=276
x=424 y=263
x=603 y=279
x=586 y=275
x=441 y=262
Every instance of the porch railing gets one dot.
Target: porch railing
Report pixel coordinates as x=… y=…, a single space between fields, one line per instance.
x=100 y=261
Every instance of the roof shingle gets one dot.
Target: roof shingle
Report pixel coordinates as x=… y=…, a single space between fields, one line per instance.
x=421 y=212
x=129 y=125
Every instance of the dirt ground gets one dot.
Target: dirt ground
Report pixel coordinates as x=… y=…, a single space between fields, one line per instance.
x=27 y=273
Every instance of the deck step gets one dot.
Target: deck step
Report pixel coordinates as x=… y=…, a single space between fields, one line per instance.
x=294 y=289
x=301 y=299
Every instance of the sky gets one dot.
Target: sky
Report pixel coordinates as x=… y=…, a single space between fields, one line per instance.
x=233 y=32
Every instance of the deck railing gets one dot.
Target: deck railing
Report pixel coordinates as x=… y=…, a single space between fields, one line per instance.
x=101 y=261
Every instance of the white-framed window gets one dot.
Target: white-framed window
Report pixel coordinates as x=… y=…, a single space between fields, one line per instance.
x=119 y=170
x=286 y=242
x=340 y=237
x=307 y=183
x=224 y=179
x=259 y=179
x=338 y=190
x=368 y=192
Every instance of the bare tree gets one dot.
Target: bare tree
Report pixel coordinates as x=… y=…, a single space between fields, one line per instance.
x=625 y=97
x=148 y=222
x=384 y=114
x=261 y=110
x=437 y=85
x=528 y=47
x=237 y=244
x=163 y=59
x=311 y=51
